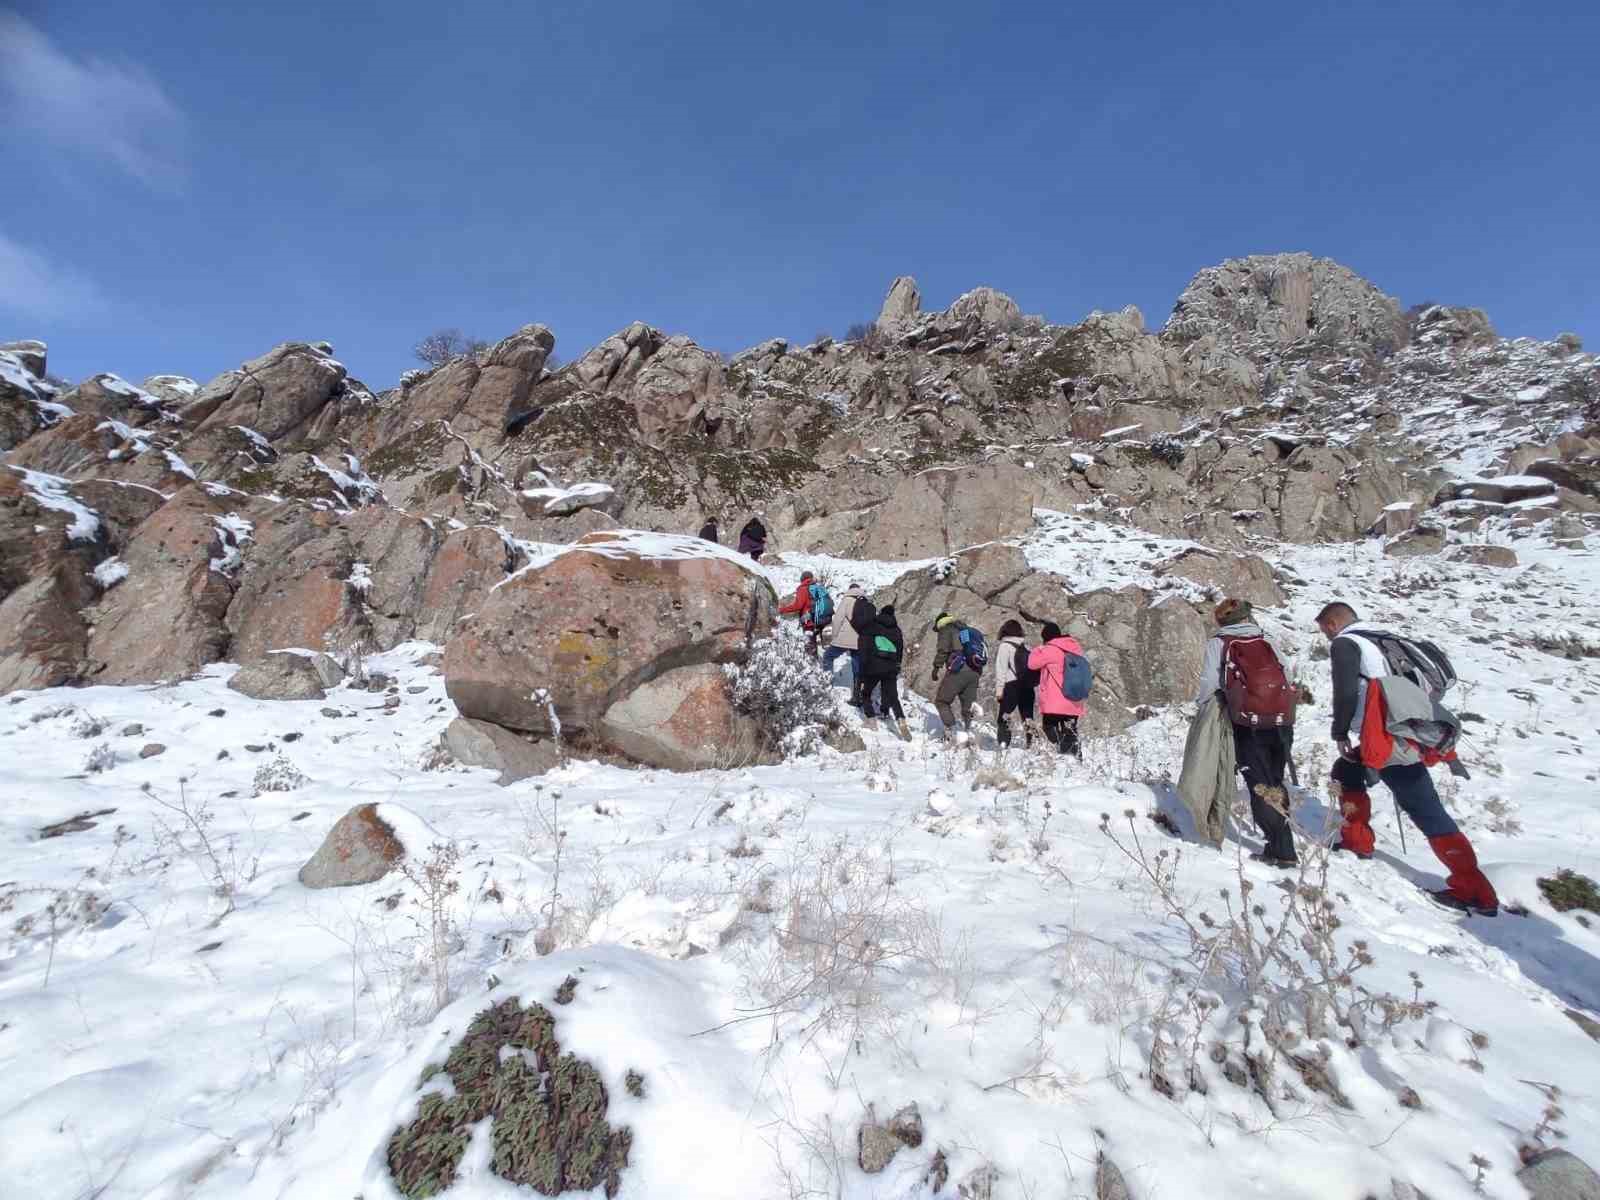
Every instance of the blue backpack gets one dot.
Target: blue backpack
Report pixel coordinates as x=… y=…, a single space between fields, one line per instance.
x=821 y=605
x=973 y=650
x=1077 y=677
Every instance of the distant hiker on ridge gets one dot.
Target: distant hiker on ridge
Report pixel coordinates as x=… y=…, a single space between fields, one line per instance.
x=1387 y=720
x=753 y=539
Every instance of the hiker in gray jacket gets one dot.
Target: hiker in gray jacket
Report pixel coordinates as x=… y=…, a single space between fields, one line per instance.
x=845 y=639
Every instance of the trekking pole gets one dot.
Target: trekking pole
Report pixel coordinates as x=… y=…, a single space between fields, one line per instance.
x=1400 y=825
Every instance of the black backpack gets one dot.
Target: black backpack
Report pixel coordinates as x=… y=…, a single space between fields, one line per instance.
x=1027 y=677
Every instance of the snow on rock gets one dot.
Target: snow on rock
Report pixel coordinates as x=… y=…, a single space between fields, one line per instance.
x=233 y=531
x=111 y=572
x=50 y=491
x=360 y=578
x=177 y=466
x=352 y=485
x=127 y=433
x=554 y=501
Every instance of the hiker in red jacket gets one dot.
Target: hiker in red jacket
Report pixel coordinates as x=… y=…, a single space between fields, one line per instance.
x=1357 y=663
x=800 y=607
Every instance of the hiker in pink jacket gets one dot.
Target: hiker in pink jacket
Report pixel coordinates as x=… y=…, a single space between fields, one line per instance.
x=1059 y=714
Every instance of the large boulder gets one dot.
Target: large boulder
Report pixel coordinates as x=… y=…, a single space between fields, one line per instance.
x=288 y=675
x=480 y=744
x=589 y=627
x=1246 y=576
x=361 y=848
x=684 y=721
x=985 y=308
x=945 y=509
x=43 y=639
x=276 y=395
x=165 y=618
x=1559 y=1175
x=1280 y=298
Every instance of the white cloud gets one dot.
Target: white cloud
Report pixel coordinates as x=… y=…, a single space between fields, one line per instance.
x=31 y=286
x=110 y=110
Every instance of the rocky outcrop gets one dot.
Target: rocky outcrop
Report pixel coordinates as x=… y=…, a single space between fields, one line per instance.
x=901 y=308
x=945 y=509
x=360 y=848
x=598 y=622
x=1281 y=298
x=1146 y=648
x=166 y=617
x=984 y=309
x=276 y=395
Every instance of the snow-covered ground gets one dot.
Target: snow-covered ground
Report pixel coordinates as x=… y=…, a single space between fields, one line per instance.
x=776 y=950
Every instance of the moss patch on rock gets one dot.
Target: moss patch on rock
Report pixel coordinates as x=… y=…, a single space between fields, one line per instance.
x=548 y=1110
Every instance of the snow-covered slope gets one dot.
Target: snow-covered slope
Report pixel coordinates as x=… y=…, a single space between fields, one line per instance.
x=779 y=950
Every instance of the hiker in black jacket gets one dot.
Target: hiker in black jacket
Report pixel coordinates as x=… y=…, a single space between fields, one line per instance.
x=708 y=531
x=883 y=649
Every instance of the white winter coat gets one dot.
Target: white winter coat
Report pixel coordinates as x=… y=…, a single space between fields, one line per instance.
x=845 y=636
x=1005 y=664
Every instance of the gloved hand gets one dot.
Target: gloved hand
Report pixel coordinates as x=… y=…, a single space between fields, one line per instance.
x=935 y=675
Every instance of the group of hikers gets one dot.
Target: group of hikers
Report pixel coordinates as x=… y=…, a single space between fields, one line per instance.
x=1389 y=724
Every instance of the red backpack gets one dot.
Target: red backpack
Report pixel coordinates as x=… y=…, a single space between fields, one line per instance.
x=1253 y=685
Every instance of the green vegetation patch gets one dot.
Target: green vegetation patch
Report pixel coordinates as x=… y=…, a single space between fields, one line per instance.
x=549 y=1128
x=1567 y=890
x=1070 y=356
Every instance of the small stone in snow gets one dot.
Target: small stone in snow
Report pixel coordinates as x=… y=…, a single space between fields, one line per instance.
x=331 y=713
x=217 y=712
x=133 y=730
x=291 y=737
x=222 y=754
x=151 y=749
x=416 y=689
x=254 y=748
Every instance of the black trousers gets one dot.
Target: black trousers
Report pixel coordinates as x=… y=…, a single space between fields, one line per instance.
x=888 y=697
x=1063 y=732
x=1014 y=698
x=1262 y=756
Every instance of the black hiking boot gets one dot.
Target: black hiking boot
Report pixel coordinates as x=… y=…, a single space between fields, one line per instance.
x=1444 y=898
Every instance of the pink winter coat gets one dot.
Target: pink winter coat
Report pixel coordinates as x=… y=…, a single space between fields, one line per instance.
x=1050 y=661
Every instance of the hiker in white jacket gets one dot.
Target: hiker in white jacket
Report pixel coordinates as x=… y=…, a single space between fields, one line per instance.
x=845 y=640
x=1013 y=692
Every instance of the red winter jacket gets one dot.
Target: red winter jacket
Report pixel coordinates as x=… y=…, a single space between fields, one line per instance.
x=800 y=606
x=1050 y=660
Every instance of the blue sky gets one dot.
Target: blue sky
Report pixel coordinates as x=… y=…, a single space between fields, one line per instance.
x=187 y=185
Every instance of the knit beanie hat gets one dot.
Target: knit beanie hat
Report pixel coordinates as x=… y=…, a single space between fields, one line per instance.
x=1231 y=611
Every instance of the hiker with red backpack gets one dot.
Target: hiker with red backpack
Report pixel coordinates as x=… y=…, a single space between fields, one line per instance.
x=813 y=605
x=1388 y=723
x=961 y=654
x=1064 y=682
x=1015 y=684
x=1242 y=668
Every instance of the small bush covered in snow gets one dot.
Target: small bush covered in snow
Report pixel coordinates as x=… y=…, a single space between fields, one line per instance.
x=548 y=1109
x=101 y=758
x=782 y=688
x=279 y=775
